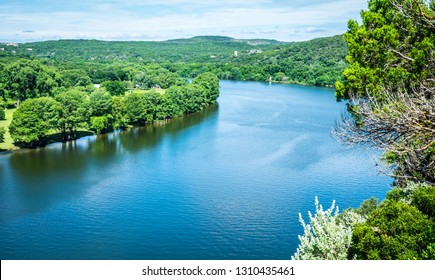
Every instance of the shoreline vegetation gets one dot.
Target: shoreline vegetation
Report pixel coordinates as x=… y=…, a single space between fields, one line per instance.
x=76 y=112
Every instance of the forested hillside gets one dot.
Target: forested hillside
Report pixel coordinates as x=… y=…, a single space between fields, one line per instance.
x=316 y=62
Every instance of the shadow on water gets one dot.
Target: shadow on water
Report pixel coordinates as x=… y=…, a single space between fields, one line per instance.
x=148 y=137
x=35 y=179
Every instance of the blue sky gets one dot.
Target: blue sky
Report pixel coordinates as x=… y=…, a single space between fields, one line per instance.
x=288 y=20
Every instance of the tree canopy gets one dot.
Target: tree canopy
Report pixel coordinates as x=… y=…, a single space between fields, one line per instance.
x=398 y=230
x=2 y=134
x=390 y=84
x=33 y=121
x=26 y=78
x=68 y=109
x=392 y=49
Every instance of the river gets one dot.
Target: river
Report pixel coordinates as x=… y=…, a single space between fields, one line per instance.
x=226 y=183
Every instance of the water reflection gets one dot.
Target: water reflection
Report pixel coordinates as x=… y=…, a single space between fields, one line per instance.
x=148 y=137
x=35 y=179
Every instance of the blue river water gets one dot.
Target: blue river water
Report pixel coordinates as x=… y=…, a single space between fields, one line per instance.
x=226 y=183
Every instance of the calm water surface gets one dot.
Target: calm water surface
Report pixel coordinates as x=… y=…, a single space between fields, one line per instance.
x=227 y=183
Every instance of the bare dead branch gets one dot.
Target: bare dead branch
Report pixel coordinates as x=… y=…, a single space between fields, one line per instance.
x=401 y=124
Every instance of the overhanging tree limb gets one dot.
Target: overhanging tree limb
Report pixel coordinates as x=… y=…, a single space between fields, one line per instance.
x=422 y=12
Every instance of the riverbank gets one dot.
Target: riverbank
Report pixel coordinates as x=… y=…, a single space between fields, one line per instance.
x=56 y=137
x=8 y=144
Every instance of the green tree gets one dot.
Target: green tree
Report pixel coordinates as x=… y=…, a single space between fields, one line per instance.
x=114 y=87
x=143 y=80
x=135 y=109
x=168 y=79
x=76 y=78
x=394 y=231
x=101 y=107
x=152 y=101
x=74 y=113
x=424 y=199
x=100 y=103
x=175 y=94
x=101 y=124
x=165 y=109
x=210 y=83
x=2 y=134
x=33 y=121
x=2 y=114
x=29 y=79
x=119 y=112
x=393 y=48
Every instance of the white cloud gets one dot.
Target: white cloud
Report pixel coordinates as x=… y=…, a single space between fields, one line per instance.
x=132 y=19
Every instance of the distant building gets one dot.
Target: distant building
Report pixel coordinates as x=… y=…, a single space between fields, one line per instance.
x=12 y=44
x=29 y=49
x=2 y=49
x=254 y=51
x=236 y=54
x=97 y=85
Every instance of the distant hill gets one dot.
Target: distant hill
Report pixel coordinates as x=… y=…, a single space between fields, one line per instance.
x=225 y=39
x=316 y=62
x=196 y=49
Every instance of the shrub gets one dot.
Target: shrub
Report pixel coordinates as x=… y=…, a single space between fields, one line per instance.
x=395 y=230
x=2 y=134
x=328 y=235
x=424 y=199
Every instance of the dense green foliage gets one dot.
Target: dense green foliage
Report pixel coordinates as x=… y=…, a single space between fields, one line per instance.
x=73 y=113
x=316 y=62
x=110 y=107
x=199 y=49
x=392 y=48
x=24 y=79
x=145 y=82
x=2 y=114
x=33 y=121
x=2 y=134
x=398 y=230
x=114 y=87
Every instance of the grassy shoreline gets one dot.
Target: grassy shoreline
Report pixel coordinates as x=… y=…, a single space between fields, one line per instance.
x=8 y=144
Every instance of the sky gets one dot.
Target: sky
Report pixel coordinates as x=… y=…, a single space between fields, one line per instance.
x=157 y=20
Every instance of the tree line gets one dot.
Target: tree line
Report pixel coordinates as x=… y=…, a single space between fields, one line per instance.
x=317 y=62
x=51 y=101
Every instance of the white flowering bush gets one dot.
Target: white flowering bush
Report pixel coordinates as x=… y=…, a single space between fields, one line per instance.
x=328 y=235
